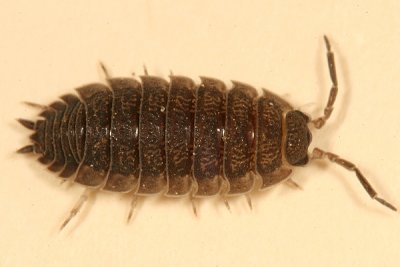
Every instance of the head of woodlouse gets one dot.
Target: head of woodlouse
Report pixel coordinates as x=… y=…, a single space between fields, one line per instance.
x=298 y=138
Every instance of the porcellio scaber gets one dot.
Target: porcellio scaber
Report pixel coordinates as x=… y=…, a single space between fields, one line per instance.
x=178 y=138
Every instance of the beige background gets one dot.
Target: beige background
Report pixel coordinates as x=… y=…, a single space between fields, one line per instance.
x=48 y=48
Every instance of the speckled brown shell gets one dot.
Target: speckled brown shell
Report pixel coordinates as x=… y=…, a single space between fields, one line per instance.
x=174 y=137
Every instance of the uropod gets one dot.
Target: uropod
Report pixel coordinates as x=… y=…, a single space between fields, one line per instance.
x=178 y=139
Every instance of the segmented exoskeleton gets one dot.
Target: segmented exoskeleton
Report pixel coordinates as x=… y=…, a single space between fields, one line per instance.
x=178 y=138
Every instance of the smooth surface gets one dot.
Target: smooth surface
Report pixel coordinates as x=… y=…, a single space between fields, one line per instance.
x=48 y=48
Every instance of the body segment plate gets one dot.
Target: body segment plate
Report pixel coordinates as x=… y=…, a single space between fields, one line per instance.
x=93 y=169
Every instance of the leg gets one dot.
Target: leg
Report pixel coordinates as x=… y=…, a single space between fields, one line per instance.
x=320 y=154
x=319 y=122
x=194 y=206
x=145 y=70
x=224 y=192
x=293 y=184
x=105 y=71
x=226 y=203
x=133 y=206
x=83 y=198
x=193 y=196
x=249 y=201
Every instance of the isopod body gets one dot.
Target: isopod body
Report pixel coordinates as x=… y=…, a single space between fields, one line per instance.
x=177 y=137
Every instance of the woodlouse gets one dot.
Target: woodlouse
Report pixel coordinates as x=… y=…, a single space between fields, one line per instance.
x=178 y=138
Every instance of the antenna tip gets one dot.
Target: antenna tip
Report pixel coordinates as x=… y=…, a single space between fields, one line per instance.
x=327 y=43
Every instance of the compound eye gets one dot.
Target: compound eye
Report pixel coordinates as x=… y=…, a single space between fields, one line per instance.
x=302 y=162
x=309 y=137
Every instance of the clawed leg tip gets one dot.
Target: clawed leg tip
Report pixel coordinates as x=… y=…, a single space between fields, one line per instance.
x=129 y=218
x=101 y=64
x=105 y=70
x=146 y=73
x=194 y=209
x=64 y=224
x=132 y=208
x=249 y=203
x=227 y=205
x=294 y=185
